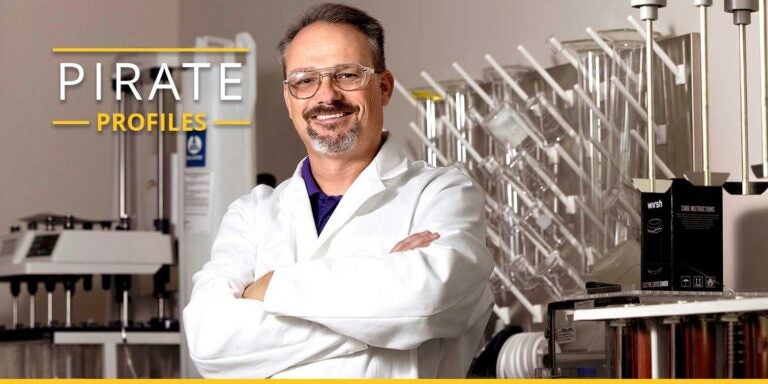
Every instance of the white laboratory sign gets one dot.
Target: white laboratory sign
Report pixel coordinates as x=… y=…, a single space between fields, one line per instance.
x=197 y=201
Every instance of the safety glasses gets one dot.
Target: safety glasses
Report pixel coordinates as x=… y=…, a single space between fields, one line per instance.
x=347 y=77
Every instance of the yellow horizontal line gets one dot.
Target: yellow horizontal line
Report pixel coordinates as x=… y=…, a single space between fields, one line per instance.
x=231 y=122
x=150 y=50
x=71 y=122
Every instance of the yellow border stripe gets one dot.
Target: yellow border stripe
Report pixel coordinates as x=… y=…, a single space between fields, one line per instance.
x=231 y=122
x=383 y=381
x=150 y=50
x=71 y=122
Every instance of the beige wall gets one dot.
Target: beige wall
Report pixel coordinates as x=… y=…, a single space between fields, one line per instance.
x=63 y=170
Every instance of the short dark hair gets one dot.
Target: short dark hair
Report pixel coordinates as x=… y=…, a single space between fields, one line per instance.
x=339 y=14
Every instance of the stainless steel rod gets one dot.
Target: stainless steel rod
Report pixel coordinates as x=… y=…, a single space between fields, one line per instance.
x=704 y=95
x=160 y=308
x=125 y=309
x=160 y=159
x=764 y=83
x=649 y=97
x=50 y=309
x=68 y=322
x=32 y=311
x=744 y=123
x=15 y=311
x=121 y=158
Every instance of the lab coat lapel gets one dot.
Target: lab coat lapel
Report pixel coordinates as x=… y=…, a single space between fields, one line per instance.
x=388 y=163
x=296 y=201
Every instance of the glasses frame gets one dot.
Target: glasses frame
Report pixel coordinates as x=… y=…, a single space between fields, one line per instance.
x=367 y=72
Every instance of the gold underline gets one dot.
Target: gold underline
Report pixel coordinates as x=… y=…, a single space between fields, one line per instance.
x=71 y=122
x=231 y=122
x=150 y=50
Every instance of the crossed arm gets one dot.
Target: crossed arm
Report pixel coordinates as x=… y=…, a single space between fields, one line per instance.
x=425 y=288
x=258 y=288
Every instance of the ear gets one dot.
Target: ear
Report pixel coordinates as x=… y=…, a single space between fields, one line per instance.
x=387 y=85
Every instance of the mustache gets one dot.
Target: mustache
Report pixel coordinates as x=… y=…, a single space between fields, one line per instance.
x=337 y=106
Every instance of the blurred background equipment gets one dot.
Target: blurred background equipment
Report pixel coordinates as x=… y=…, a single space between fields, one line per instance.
x=559 y=151
x=167 y=211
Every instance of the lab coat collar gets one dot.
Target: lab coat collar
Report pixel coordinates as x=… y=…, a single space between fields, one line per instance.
x=388 y=163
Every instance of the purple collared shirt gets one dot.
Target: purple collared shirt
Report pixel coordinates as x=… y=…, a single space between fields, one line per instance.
x=322 y=204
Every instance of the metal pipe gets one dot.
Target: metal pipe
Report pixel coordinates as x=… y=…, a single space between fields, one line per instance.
x=743 y=98
x=742 y=16
x=15 y=311
x=650 y=137
x=704 y=92
x=764 y=82
x=50 y=308
x=655 y=349
x=124 y=310
x=160 y=159
x=161 y=308
x=31 y=311
x=68 y=322
x=665 y=59
x=122 y=176
x=672 y=350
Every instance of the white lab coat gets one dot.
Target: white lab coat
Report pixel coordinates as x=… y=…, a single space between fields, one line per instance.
x=342 y=305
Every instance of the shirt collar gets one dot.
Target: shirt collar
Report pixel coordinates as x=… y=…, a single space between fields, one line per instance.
x=309 y=180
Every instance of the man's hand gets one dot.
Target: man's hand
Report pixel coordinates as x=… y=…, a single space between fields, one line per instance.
x=258 y=288
x=417 y=240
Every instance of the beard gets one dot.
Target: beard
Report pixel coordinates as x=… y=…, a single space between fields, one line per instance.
x=336 y=143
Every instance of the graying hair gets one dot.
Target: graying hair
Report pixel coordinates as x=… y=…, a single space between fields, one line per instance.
x=339 y=14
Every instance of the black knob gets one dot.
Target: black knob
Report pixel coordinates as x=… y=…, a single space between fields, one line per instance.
x=122 y=283
x=50 y=284
x=87 y=225
x=32 y=286
x=69 y=283
x=162 y=225
x=15 y=228
x=106 y=282
x=106 y=224
x=87 y=283
x=15 y=287
x=32 y=225
x=160 y=279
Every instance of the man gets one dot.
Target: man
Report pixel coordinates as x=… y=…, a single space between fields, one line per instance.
x=363 y=264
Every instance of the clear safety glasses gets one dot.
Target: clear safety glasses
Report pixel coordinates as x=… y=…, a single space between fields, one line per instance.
x=347 y=77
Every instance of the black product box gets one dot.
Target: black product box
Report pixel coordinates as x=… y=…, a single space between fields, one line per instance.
x=682 y=238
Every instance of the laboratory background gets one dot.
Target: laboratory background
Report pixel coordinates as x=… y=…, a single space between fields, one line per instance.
x=625 y=201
